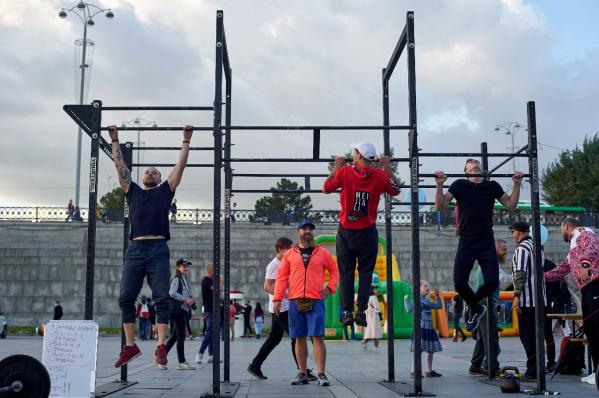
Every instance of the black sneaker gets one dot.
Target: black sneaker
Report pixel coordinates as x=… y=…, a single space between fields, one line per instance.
x=348 y=318
x=550 y=367
x=322 y=380
x=476 y=371
x=310 y=375
x=301 y=378
x=256 y=372
x=360 y=318
x=475 y=315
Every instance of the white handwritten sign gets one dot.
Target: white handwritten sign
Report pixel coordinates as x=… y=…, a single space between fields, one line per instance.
x=70 y=353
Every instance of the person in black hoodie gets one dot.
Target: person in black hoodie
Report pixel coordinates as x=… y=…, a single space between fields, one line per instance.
x=57 y=311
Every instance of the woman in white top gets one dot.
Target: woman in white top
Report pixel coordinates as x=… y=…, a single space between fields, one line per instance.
x=373 y=331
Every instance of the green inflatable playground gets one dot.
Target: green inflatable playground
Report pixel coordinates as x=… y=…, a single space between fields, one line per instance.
x=402 y=321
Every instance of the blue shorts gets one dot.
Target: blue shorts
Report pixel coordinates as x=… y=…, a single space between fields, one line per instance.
x=303 y=324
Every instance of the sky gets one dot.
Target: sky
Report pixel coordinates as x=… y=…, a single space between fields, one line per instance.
x=294 y=63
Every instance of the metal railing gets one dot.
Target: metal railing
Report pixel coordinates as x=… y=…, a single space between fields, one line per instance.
x=199 y=216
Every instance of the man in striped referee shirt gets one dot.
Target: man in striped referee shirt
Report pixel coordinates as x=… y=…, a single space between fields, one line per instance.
x=525 y=300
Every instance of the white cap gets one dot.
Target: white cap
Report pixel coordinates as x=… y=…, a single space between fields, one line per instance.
x=366 y=149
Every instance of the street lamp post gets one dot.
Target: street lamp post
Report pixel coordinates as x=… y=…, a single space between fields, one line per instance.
x=139 y=122
x=86 y=13
x=510 y=129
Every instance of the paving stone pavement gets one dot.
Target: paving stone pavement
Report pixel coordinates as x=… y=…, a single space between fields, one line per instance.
x=353 y=371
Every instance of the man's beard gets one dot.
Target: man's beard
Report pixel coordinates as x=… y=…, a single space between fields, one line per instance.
x=152 y=184
x=307 y=240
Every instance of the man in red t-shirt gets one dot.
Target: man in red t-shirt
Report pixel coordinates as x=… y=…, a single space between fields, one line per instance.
x=357 y=238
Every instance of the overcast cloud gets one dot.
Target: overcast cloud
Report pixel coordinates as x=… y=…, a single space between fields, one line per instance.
x=294 y=62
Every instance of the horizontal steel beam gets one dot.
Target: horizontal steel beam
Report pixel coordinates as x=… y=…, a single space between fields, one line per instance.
x=157 y=108
x=278 y=175
x=171 y=148
x=473 y=175
x=469 y=154
x=298 y=160
x=171 y=165
x=317 y=127
x=158 y=128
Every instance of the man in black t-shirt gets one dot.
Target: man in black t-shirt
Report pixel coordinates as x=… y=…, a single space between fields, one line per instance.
x=475 y=198
x=247 y=313
x=148 y=254
x=207 y=301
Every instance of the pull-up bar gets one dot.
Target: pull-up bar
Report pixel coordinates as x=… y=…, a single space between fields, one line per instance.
x=157 y=108
x=474 y=175
x=171 y=148
x=171 y=165
x=472 y=155
x=295 y=160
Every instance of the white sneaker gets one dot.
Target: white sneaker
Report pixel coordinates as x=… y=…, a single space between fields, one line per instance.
x=199 y=358
x=184 y=366
x=210 y=359
x=161 y=367
x=587 y=379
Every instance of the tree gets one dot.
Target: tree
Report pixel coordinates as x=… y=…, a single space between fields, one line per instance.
x=572 y=179
x=114 y=199
x=267 y=205
x=348 y=155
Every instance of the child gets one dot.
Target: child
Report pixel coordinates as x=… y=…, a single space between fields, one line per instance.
x=429 y=339
x=373 y=329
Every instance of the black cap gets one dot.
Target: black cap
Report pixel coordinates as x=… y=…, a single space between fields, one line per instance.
x=305 y=223
x=183 y=261
x=521 y=226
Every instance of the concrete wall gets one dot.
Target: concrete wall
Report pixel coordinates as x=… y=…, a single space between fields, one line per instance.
x=42 y=262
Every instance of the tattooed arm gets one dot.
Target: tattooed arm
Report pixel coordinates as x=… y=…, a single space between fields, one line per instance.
x=174 y=179
x=123 y=172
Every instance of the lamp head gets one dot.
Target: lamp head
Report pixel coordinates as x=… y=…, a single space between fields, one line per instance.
x=109 y=14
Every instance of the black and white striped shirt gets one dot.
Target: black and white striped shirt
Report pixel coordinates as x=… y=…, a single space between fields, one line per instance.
x=524 y=260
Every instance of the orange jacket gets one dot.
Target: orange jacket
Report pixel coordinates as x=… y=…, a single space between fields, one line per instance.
x=305 y=282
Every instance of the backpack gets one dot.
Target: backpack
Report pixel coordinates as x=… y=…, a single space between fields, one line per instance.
x=571 y=357
x=144 y=312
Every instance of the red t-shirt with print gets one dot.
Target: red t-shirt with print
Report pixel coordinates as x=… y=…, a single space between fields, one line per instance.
x=361 y=189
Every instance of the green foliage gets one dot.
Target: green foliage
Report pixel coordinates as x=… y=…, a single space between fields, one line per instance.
x=114 y=199
x=348 y=155
x=302 y=205
x=573 y=178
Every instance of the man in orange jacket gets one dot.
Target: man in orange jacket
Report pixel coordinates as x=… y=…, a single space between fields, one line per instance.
x=302 y=271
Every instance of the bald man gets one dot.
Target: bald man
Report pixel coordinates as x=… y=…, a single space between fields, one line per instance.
x=148 y=254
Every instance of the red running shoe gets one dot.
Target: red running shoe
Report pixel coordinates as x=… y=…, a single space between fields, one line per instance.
x=127 y=355
x=160 y=355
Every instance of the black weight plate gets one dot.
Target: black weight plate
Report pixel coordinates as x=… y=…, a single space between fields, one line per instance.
x=27 y=370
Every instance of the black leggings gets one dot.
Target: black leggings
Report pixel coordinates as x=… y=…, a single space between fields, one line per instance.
x=590 y=318
x=178 y=326
x=280 y=325
x=471 y=249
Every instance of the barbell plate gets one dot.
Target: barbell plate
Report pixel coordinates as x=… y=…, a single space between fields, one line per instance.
x=27 y=370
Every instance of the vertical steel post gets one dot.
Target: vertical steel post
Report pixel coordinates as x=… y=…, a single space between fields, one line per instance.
x=218 y=155
x=79 y=131
x=491 y=325
x=388 y=238
x=96 y=123
x=414 y=183
x=127 y=151
x=536 y=238
x=228 y=187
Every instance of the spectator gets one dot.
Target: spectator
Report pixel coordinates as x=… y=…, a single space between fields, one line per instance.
x=207 y=300
x=258 y=319
x=346 y=336
x=173 y=210
x=57 y=311
x=70 y=210
x=457 y=304
x=152 y=308
x=143 y=315
x=233 y=210
x=373 y=329
x=77 y=214
x=232 y=317
x=247 y=313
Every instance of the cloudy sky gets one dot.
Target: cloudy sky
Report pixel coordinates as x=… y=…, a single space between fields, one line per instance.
x=294 y=62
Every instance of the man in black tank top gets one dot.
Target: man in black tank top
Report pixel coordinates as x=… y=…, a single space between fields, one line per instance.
x=148 y=254
x=475 y=198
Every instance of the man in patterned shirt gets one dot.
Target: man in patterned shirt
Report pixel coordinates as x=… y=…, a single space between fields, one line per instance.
x=583 y=265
